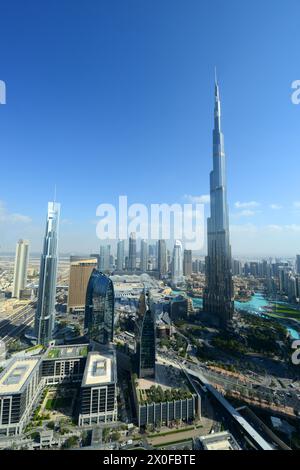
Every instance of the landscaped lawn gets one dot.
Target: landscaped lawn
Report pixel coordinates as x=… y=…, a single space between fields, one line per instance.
x=57 y=403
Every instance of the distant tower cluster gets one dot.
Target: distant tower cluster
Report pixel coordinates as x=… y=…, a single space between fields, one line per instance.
x=21 y=265
x=218 y=294
x=45 y=313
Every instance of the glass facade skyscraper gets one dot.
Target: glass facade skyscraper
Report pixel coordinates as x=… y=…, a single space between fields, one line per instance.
x=144 y=256
x=177 y=264
x=99 y=308
x=145 y=337
x=218 y=294
x=45 y=312
x=120 y=255
x=162 y=265
x=132 y=252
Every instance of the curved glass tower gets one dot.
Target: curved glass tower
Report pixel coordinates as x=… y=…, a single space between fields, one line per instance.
x=99 y=308
x=218 y=295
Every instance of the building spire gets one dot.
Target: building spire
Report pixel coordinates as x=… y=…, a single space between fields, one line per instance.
x=217 y=104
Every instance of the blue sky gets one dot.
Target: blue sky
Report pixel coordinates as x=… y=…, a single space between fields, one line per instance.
x=112 y=97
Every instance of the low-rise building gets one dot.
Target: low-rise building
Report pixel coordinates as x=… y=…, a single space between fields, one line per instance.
x=98 y=395
x=62 y=364
x=216 y=441
x=20 y=388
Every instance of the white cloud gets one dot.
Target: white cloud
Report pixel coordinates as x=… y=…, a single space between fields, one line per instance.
x=244 y=213
x=274 y=228
x=275 y=207
x=296 y=204
x=12 y=218
x=204 y=199
x=243 y=205
x=243 y=228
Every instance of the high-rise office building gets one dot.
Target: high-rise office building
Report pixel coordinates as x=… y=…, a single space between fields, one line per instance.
x=104 y=258
x=45 y=312
x=298 y=264
x=162 y=258
x=145 y=338
x=99 y=308
x=236 y=267
x=187 y=263
x=218 y=294
x=80 y=272
x=98 y=392
x=132 y=252
x=144 y=256
x=21 y=265
x=177 y=273
x=120 y=255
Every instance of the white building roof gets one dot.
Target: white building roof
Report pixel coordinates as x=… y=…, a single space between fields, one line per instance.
x=99 y=369
x=17 y=373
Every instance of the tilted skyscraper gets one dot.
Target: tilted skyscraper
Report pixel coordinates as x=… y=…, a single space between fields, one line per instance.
x=21 y=264
x=218 y=294
x=45 y=312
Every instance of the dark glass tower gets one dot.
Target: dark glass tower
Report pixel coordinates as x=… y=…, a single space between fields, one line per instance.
x=218 y=294
x=145 y=337
x=99 y=308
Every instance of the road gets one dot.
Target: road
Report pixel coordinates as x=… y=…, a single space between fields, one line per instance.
x=13 y=325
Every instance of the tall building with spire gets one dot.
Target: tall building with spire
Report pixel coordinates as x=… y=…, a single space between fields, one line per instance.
x=218 y=294
x=45 y=312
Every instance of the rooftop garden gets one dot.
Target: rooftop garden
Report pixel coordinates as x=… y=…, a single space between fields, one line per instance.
x=156 y=394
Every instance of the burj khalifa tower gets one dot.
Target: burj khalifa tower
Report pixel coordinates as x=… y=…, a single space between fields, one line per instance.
x=218 y=294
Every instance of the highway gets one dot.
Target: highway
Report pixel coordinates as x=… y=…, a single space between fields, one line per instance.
x=13 y=325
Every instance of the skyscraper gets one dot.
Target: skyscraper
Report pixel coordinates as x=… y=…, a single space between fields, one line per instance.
x=80 y=272
x=132 y=253
x=45 y=312
x=144 y=256
x=99 y=308
x=177 y=274
x=218 y=294
x=104 y=259
x=297 y=264
x=145 y=337
x=162 y=258
x=21 y=264
x=187 y=263
x=120 y=255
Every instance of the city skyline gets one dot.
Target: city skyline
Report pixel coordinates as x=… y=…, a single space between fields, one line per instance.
x=263 y=198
